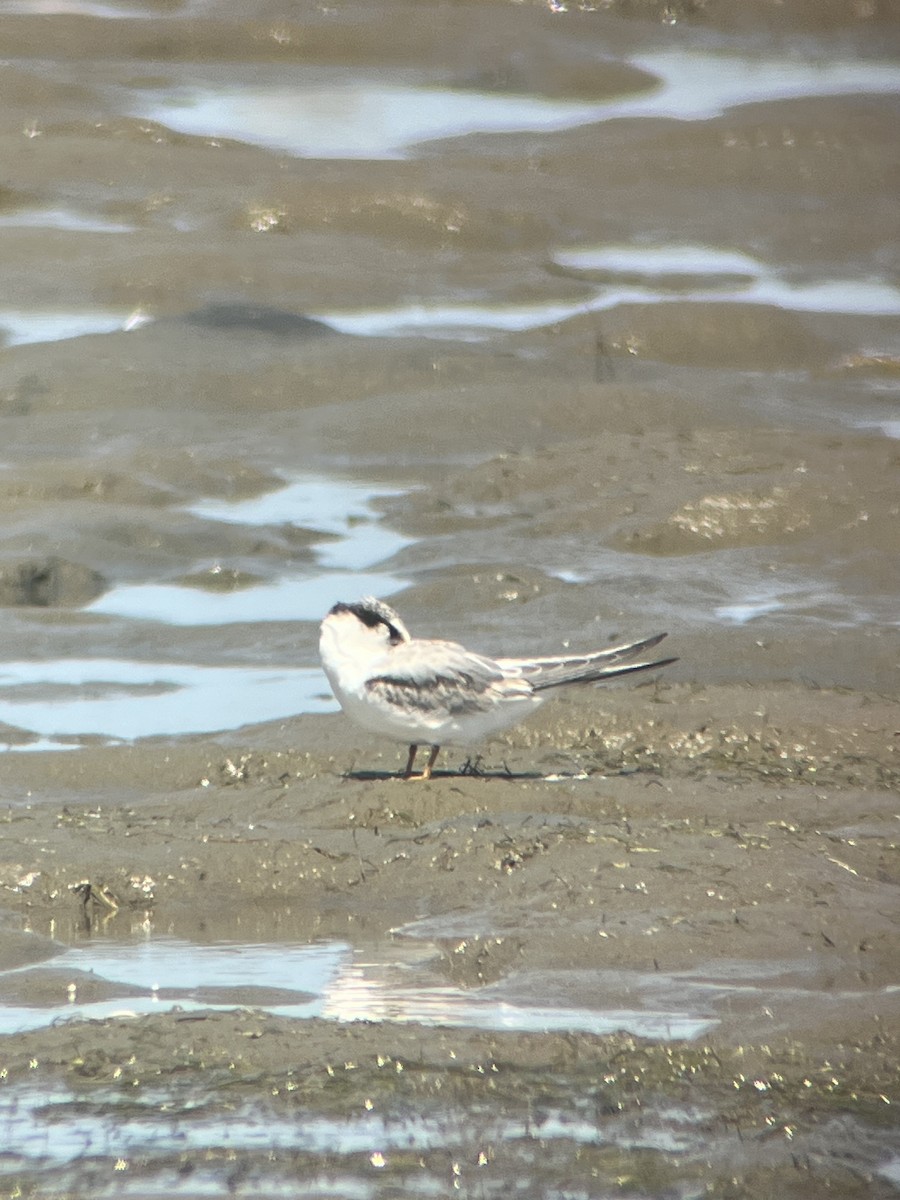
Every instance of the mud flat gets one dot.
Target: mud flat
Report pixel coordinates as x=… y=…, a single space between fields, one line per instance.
x=592 y=332
x=716 y=867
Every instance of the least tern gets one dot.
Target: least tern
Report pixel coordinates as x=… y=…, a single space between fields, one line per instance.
x=424 y=691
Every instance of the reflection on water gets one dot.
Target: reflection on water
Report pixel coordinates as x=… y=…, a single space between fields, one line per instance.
x=80 y=8
x=657 y=259
x=333 y=982
x=168 y=1138
x=340 y=508
x=740 y=614
x=759 y=285
x=285 y=600
x=370 y=120
x=113 y=698
x=396 y=982
x=91 y=153
x=742 y=280
x=890 y=428
x=49 y=1130
x=19 y=327
x=733 y=586
x=123 y=699
x=61 y=218
x=109 y=1129
x=362 y=995
x=700 y=86
x=355 y=120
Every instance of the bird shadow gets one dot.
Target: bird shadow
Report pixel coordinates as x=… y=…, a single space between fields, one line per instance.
x=470 y=769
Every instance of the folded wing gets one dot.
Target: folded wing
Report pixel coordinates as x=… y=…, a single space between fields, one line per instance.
x=432 y=676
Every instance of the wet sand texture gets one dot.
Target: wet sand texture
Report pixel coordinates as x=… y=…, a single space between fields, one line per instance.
x=554 y=385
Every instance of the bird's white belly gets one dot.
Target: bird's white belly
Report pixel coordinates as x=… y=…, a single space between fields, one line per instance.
x=432 y=726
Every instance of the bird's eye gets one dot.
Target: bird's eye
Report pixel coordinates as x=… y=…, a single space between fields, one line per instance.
x=395 y=637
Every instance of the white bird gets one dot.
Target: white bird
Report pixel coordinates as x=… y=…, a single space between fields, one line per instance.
x=421 y=690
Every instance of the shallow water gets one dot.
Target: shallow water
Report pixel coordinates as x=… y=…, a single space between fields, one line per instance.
x=70 y=698
x=331 y=981
x=133 y=1134
x=356 y=118
x=19 y=328
x=62 y=700
x=50 y=1132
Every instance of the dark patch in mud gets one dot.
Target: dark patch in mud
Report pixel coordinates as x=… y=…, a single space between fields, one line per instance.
x=256 y=318
x=49 y=583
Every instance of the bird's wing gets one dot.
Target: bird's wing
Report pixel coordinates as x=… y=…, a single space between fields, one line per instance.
x=434 y=675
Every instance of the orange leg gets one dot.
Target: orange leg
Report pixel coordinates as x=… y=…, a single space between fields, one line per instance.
x=432 y=759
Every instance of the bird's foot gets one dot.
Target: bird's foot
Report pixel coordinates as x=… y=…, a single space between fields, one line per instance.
x=429 y=766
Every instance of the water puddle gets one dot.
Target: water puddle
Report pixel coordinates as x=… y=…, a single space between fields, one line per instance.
x=79 y=8
x=377 y=120
x=365 y=992
x=654 y=275
x=340 y=509
x=399 y=981
x=354 y=120
x=139 y=1136
x=60 y=701
x=733 y=585
x=749 y=610
x=648 y=275
x=660 y=260
x=176 y=1142
x=810 y=598
x=701 y=86
x=889 y=427
x=729 y=277
x=818 y=601
x=284 y=600
x=327 y=980
x=455 y=320
x=121 y=700
x=21 y=328
x=159 y=974
x=65 y=219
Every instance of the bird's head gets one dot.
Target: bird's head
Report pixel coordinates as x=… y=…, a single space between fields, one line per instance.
x=367 y=623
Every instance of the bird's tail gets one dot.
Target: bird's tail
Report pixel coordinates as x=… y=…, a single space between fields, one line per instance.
x=543 y=673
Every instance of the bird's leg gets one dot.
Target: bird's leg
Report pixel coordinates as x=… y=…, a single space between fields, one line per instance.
x=432 y=758
x=410 y=762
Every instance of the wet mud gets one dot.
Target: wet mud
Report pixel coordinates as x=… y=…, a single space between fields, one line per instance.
x=725 y=854
x=545 y=386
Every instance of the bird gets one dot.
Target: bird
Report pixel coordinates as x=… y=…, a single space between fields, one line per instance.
x=427 y=691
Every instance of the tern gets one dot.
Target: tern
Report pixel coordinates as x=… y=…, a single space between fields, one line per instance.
x=437 y=693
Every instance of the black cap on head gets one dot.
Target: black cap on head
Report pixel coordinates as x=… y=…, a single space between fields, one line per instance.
x=372 y=612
